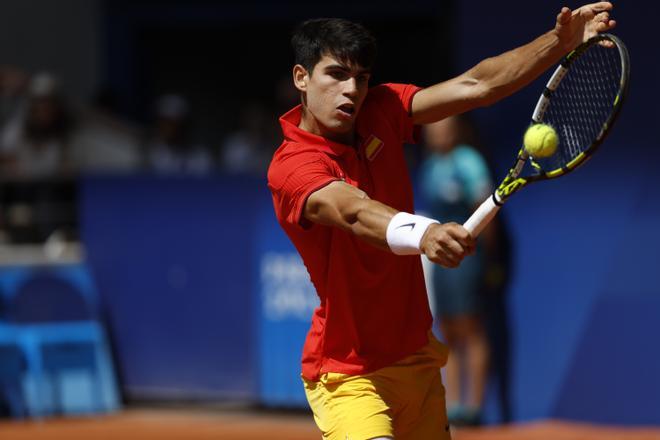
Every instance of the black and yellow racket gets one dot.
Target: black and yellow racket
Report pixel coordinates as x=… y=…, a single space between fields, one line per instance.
x=581 y=101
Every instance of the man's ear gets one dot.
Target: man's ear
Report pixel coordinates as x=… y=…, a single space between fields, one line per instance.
x=300 y=77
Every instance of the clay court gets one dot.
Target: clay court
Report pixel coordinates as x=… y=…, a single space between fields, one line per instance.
x=247 y=425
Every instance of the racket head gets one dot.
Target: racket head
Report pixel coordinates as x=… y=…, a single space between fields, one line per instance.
x=582 y=101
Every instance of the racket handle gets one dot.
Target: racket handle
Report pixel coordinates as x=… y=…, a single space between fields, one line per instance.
x=482 y=216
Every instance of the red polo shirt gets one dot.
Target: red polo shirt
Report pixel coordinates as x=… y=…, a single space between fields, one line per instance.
x=374 y=309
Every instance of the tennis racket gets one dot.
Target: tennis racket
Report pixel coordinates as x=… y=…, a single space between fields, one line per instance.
x=581 y=101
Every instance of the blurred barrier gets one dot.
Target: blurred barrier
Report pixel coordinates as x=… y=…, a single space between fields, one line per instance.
x=286 y=300
x=208 y=299
x=174 y=262
x=52 y=317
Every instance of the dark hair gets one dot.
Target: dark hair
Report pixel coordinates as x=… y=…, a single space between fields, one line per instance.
x=346 y=41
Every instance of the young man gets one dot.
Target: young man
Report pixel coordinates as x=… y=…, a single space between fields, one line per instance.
x=342 y=194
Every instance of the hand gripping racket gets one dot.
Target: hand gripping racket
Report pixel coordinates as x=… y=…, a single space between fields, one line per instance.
x=581 y=101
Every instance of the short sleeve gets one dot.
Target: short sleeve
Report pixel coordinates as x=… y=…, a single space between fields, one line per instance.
x=293 y=179
x=396 y=100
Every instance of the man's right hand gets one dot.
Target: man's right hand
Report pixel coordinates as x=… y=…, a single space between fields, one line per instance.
x=447 y=244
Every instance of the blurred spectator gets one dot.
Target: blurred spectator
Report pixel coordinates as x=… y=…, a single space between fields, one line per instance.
x=170 y=150
x=13 y=84
x=102 y=141
x=498 y=250
x=455 y=180
x=34 y=143
x=249 y=149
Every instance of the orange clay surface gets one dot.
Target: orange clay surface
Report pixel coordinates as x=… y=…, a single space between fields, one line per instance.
x=168 y=424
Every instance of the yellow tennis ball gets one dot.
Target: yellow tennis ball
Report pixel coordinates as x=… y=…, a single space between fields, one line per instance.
x=540 y=140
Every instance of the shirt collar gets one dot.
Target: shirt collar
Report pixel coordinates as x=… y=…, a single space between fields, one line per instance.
x=289 y=122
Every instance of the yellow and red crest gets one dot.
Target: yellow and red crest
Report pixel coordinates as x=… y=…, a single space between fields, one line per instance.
x=373 y=145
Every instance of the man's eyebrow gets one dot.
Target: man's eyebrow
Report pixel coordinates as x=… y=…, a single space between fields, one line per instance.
x=347 y=69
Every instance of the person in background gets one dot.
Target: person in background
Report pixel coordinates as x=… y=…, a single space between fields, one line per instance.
x=38 y=194
x=499 y=272
x=170 y=150
x=13 y=88
x=454 y=181
x=248 y=150
x=103 y=141
x=34 y=144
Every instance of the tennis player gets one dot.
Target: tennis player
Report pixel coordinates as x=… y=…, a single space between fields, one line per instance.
x=342 y=193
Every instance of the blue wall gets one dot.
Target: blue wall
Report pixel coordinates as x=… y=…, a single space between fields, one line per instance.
x=173 y=261
x=285 y=300
x=207 y=299
x=586 y=289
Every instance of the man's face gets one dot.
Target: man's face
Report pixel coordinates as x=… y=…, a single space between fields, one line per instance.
x=334 y=92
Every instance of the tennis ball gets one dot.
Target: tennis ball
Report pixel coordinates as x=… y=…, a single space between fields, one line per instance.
x=540 y=140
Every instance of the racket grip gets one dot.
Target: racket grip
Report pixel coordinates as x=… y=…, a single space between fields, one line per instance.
x=482 y=216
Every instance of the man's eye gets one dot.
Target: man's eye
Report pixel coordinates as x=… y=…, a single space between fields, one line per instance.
x=338 y=75
x=363 y=79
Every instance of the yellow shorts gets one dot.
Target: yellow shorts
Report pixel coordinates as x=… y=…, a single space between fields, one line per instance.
x=405 y=401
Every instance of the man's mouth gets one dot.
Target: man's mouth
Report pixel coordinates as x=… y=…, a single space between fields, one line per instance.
x=346 y=110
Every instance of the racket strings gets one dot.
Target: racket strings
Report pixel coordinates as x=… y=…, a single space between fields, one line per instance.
x=582 y=103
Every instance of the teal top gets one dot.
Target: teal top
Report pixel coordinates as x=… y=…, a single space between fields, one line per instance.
x=454 y=183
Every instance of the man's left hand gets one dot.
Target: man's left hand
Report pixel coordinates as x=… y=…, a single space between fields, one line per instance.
x=577 y=26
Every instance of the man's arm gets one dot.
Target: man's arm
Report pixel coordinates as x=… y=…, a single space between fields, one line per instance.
x=344 y=206
x=498 y=77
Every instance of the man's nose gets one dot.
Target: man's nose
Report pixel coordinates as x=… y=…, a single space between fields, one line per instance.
x=350 y=87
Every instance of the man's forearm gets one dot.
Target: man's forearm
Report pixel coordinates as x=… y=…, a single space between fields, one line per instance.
x=349 y=208
x=388 y=229
x=489 y=81
x=498 y=77
x=507 y=73
x=370 y=221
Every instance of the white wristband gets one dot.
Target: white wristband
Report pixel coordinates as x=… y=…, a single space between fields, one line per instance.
x=405 y=232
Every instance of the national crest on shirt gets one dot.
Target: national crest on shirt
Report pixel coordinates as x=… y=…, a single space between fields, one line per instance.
x=373 y=145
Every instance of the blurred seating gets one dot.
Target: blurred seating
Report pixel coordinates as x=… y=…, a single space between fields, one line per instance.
x=44 y=298
x=55 y=316
x=62 y=358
